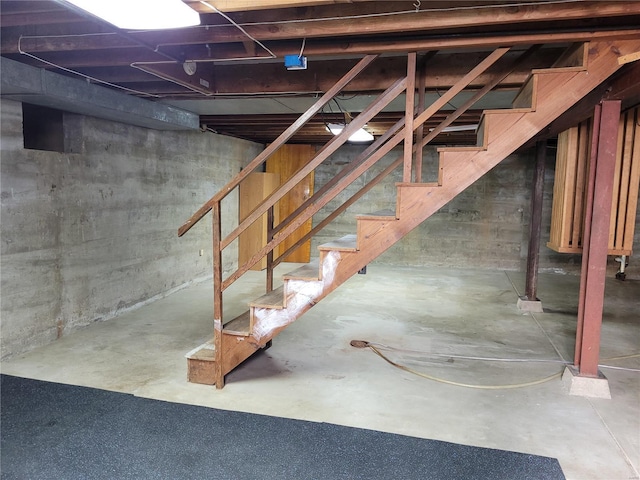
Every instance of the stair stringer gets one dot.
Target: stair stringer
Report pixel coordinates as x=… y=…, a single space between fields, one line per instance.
x=505 y=131
x=556 y=90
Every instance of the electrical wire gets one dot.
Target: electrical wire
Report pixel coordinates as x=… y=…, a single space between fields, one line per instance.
x=75 y=72
x=304 y=41
x=207 y=4
x=466 y=357
x=622 y=357
x=375 y=348
x=459 y=384
x=620 y=368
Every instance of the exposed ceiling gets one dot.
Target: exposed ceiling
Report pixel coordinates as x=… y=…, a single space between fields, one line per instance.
x=240 y=86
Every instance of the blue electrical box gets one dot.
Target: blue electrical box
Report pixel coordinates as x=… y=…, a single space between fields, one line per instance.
x=295 y=62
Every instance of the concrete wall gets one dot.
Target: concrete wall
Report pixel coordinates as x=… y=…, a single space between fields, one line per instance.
x=486 y=226
x=91 y=232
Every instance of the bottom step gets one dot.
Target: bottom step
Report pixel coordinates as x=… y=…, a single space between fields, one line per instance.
x=200 y=364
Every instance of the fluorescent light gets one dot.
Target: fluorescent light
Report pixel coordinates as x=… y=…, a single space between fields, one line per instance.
x=141 y=14
x=335 y=128
x=360 y=136
x=457 y=128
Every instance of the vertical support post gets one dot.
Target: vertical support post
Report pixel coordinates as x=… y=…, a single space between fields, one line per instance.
x=270 y=253
x=409 y=110
x=422 y=95
x=596 y=237
x=535 y=226
x=217 y=294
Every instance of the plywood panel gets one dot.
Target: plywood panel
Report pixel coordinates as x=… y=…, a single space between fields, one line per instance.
x=567 y=217
x=286 y=162
x=255 y=188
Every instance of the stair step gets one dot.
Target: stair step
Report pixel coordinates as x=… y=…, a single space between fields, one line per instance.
x=481 y=132
x=310 y=271
x=205 y=352
x=273 y=299
x=526 y=97
x=461 y=149
x=200 y=364
x=344 y=244
x=575 y=56
x=379 y=215
x=507 y=111
x=241 y=325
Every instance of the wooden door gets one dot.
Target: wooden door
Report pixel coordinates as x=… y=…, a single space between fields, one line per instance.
x=255 y=188
x=286 y=162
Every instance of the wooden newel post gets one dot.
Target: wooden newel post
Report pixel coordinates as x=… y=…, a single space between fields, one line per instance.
x=409 y=112
x=217 y=294
x=270 y=253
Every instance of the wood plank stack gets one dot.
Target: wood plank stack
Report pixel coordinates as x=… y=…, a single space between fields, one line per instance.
x=569 y=192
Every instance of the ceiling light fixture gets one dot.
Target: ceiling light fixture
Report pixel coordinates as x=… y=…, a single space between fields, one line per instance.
x=141 y=15
x=360 y=135
x=457 y=128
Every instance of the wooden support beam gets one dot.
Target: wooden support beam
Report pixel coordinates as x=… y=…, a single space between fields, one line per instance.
x=596 y=237
x=422 y=21
x=535 y=224
x=242 y=5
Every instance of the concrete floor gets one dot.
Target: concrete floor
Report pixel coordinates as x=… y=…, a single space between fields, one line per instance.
x=313 y=373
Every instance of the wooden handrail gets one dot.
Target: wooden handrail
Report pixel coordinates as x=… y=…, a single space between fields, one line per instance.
x=332 y=216
x=397 y=138
x=409 y=108
x=383 y=100
x=497 y=78
x=492 y=58
x=420 y=144
x=330 y=147
x=345 y=171
x=369 y=157
x=278 y=142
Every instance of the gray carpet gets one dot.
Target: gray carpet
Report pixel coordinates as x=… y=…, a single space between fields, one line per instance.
x=55 y=431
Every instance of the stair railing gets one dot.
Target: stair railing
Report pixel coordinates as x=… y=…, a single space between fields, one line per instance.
x=403 y=130
x=376 y=151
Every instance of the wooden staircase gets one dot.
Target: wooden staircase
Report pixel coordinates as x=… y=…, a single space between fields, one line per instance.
x=546 y=94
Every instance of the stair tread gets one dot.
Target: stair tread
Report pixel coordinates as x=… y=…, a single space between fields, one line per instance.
x=273 y=299
x=501 y=111
x=205 y=352
x=344 y=244
x=241 y=325
x=576 y=68
x=309 y=271
x=474 y=148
